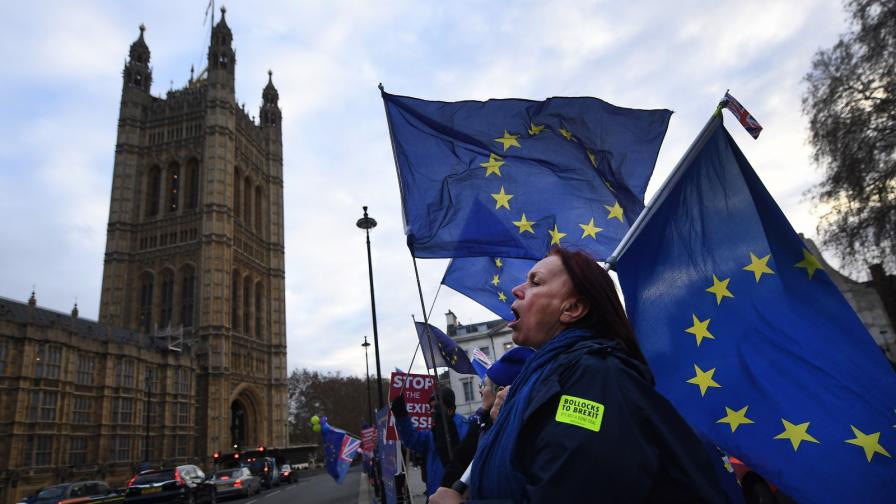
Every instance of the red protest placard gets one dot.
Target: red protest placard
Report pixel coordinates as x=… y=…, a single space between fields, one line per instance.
x=417 y=391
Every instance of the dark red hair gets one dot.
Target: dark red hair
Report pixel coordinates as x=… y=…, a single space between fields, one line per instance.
x=605 y=316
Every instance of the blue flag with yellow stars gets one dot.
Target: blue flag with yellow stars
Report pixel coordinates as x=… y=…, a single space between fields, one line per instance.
x=752 y=341
x=488 y=280
x=511 y=178
x=444 y=351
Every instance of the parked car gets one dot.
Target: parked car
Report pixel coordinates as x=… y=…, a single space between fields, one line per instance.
x=184 y=484
x=239 y=481
x=288 y=474
x=81 y=491
x=266 y=470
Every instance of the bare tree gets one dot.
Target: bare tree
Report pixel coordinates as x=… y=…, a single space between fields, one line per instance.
x=851 y=105
x=343 y=399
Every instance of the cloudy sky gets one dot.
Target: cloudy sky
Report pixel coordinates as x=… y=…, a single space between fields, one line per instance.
x=60 y=82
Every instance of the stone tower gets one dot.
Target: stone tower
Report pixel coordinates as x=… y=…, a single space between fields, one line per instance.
x=195 y=242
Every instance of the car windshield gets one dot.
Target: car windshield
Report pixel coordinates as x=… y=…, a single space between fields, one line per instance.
x=52 y=492
x=284 y=467
x=154 y=477
x=236 y=473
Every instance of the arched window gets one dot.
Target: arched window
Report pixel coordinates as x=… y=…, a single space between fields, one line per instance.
x=145 y=313
x=172 y=187
x=234 y=300
x=167 y=301
x=259 y=298
x=192 y=184
x=153 y=186
x=187 y=295
x=247 y=202
x=247 y=304
x=258 y=208
x=237 y=203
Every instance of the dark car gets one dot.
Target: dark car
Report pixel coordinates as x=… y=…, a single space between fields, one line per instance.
x=287 y=474
x=238 y=481
x=184 y=484
x=266 y=470
x=81 y=491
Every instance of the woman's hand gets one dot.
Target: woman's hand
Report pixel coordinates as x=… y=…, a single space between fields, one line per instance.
x=499 y=400
x=445 y=495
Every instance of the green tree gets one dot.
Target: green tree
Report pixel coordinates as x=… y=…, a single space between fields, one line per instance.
x=851 y=105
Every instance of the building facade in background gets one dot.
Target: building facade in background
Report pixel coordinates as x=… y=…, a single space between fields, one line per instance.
x=190 y=346
x=493 y=338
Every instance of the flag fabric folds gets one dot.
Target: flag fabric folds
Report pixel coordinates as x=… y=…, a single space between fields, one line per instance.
x=339 y=451
x=488 y=280
x=480 y=362
x=740 y=112
x=511 y=178
x=445 y=350
x=752 y=341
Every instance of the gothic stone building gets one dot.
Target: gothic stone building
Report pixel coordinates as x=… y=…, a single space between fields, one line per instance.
x=189 y=354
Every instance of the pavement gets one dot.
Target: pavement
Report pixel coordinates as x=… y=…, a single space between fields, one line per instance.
x=415 y=483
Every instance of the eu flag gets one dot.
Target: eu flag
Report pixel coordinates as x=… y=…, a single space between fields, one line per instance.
x=488 y=280
x=444 y=351
x=339 y=451
x=751 y=340
x=510 y=178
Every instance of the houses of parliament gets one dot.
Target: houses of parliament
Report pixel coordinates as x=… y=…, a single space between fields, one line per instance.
x=188 y=355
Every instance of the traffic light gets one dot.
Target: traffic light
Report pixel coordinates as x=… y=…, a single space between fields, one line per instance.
x=261 y=448
x=216 y=456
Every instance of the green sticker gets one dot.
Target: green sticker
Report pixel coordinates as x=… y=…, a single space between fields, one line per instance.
x=580 y=412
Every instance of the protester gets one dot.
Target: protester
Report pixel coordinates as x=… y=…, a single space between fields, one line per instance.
x=434 y=444
x=498 y=376
x=582 y=422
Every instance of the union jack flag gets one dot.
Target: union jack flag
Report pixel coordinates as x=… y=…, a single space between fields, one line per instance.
x=746 y=120
x=350 y=447
x=480 y=362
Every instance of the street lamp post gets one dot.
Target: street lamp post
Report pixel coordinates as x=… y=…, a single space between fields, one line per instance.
x=367 y=223
x=367 y=377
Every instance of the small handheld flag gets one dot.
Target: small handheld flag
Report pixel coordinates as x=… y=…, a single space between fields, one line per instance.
x=480 y=362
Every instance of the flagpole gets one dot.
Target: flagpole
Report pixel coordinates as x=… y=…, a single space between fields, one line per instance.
x=714 y=121
x=432 y=359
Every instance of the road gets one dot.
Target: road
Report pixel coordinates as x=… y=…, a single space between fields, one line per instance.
x=316 y=489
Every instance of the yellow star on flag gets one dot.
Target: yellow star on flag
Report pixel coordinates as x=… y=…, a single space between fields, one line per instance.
x=501 y=296
x=720 y=289
x=590 y=229
x=703 y=379
x=609 y=186
x=502 y=199
x=809 y=262
x=498 y=262
x=556 y=235
x=759 y=266
x=566 y=134
x=493 y=165
x=700 y=329
x=535 y=129
x=869 y=442
x=496 y=279
x=524 y=224
x=796 y=433
x=508 y=140
x=735 y=418
x=615 y=211
x=593 y=158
